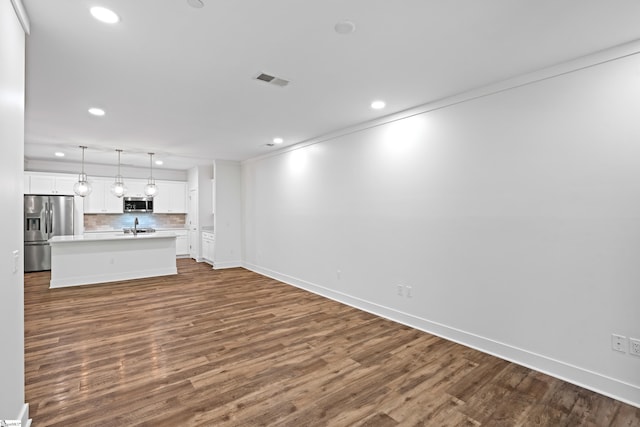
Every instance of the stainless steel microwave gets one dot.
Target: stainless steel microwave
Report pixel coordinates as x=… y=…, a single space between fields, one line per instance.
x=137 y=204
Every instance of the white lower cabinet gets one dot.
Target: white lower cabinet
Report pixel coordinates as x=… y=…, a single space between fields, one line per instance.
x=182 y=242
x=208 y=246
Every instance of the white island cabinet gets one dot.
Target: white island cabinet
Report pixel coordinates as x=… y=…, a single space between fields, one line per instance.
x=88 y=259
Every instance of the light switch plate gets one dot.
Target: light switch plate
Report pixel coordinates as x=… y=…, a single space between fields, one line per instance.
x=16 y=260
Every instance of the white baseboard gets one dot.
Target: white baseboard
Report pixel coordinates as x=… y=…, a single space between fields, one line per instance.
x=226 y=264
x=25 y=421
x=611 y=387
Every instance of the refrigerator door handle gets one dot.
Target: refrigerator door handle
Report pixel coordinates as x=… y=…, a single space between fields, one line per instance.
x=51 y=220
x=46 y=218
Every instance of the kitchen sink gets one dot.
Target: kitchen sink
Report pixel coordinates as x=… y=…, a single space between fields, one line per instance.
x=140 y=230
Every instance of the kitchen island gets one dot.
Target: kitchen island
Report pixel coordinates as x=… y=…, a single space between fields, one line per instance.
x=89 y=259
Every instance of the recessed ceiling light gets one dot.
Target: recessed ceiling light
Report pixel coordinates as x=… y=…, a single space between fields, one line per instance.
x=159 y=162
x=378 y=105
x=58 y=154
x=104 y=15
x=96 y=111
x=278 y=140
x=345 y=27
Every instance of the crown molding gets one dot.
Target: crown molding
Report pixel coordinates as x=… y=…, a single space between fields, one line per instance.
x=591 y=60
x=21 y=13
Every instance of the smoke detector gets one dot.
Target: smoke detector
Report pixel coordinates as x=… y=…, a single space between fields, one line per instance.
x=345 y=27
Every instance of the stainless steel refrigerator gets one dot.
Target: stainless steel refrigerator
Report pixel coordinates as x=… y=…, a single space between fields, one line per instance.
x=44 y=217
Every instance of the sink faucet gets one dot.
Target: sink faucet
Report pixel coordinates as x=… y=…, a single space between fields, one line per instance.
x=135 y=227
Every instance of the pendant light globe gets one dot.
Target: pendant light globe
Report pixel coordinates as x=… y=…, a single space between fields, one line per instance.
x=151 y=189
x=118 y=188
x=82 y=188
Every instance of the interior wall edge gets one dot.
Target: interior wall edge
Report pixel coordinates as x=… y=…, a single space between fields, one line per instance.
x=599 y=383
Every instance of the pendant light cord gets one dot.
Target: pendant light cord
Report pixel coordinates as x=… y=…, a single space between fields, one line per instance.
x=83 y=148
x=151 y=168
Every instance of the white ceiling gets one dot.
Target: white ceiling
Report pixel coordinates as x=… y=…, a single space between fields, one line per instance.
x=179 y=81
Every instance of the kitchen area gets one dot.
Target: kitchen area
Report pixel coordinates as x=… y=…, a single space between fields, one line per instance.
x=101 y=238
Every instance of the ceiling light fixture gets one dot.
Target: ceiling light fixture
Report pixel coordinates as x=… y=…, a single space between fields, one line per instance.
x=118 y=188
x=159 y=162
x=151 y=189
x=58 y=154
x=96 y=111
x=278 y=140
x=105 y=15
x=378 y=105
x=82 y=188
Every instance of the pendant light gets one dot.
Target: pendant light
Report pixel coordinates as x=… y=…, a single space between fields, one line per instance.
x=151 y=189
x=82 y=187
x=118 y=188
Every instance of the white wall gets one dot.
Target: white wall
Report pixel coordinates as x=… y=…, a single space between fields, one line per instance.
x=514 y=217
x=12 y=45
x=228 y=216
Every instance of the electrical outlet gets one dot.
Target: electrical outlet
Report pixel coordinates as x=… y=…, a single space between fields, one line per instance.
x=409 y=289
x=338 y=274
x=399 y=290
x=619 y=343
x=634 y=346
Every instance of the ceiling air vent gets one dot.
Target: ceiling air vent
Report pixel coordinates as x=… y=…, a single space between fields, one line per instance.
x=272 y=80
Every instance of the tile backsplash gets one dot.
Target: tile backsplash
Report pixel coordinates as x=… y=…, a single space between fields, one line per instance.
x=98 y=222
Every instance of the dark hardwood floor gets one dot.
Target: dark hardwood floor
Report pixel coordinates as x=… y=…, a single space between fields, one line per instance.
x=233 y=348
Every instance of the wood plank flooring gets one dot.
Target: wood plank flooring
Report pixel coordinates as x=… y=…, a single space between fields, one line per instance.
x=233 y=348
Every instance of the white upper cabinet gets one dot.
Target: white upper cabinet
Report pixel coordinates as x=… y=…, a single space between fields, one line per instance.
x=101 y=200
x=171 y=198
x=135 y=187
x=36 y=183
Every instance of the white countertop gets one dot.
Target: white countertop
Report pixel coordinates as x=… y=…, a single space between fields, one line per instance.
x=104 y=237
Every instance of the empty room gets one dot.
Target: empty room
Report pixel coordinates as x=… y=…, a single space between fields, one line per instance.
x=362 y=213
